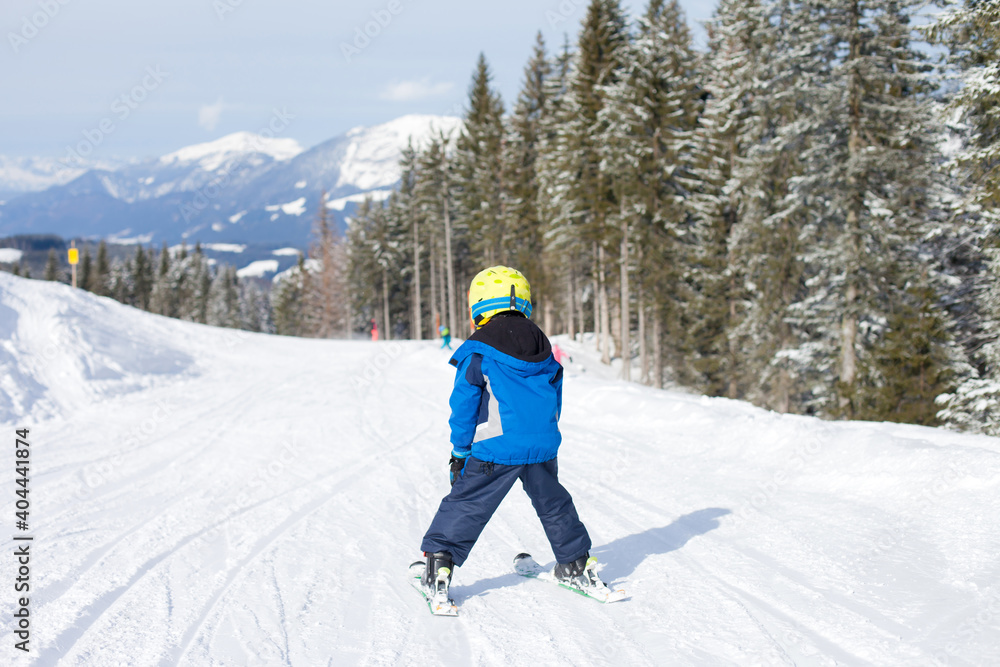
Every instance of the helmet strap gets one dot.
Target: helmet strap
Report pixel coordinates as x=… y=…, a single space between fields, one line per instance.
x=513 y=300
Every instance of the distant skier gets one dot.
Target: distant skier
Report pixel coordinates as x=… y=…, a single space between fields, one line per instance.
x=374 y=331
x=559 y=355
x=445 y=336
x=505 y=406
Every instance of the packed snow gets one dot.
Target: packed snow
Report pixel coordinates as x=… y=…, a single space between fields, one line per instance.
x=205 y=496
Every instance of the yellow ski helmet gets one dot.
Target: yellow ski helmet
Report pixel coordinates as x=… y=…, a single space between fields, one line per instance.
x=495 y=290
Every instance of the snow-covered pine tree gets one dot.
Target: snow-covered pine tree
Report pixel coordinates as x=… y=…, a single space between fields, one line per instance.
x=86 y=269
x=436 y=196
x=287 y=299
x=648 y=122
x=738 y=39
x=161 y=300
x=478 y=165
x=98 y=283
x=867 y=172
x=378 y=251
x=564 y=254
x=121 y=281
x=761 y=66
x=52 y=270
x=521 y=221
x=143 y=279
x=200 y=284
x=386 y=251
x=254 y=309
x=588 y=198
x=361 y=266
x=403 y=205
x=224 y=300
x=971 y=32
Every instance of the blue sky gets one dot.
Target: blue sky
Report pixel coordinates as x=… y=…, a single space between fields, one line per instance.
x=142 y=78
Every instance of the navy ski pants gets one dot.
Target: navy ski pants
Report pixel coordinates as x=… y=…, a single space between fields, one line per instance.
x=478 y=492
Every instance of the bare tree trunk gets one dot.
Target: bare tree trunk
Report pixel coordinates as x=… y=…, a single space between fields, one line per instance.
x=386 y=329
x=733 y=390
x=547 y=314
x=417 y=330
x=348 y=307
x=570 y=306
x=597 y=302
x=436 y=314
x=615 y=329
x=449 y=265
x=605 y=314
x=626 y=314
x=783 y=398
x=657 y=349
x=442 y=291
x=643 y=350
x=578 y=291
x=849 y=320
x=641 y=306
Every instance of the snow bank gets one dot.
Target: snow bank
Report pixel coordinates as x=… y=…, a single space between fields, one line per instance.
x=63 y=349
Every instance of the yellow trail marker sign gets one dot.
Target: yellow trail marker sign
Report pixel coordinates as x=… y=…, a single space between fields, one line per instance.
x=74 y=256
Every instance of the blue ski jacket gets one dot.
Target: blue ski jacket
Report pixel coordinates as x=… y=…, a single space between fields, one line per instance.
x=507 y=397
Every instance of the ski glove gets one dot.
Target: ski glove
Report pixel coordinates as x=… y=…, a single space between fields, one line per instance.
x=457 y=464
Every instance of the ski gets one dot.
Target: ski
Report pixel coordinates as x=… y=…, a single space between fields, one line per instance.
x=437 y=601
x=589 y=584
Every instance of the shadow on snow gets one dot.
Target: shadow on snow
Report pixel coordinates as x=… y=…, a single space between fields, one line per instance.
x=624 y=555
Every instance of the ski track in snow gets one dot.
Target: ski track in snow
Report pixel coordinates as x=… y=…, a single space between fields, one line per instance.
x=202 y=497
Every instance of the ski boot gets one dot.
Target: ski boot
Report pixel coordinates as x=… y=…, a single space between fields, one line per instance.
x=580 y=574
x=437 y=575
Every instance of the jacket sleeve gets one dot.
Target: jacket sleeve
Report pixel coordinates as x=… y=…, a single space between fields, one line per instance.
x=466 y=397
x=557 y=380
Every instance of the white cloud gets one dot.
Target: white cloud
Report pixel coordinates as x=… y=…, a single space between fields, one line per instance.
x=407 y=91
x=209 y=115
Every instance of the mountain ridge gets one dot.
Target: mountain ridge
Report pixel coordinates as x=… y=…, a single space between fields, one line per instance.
x=240 y=188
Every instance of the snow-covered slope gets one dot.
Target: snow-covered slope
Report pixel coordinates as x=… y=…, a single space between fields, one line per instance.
x=206 y=497
x=371 y=155
x=213 y=155
x=243 y=187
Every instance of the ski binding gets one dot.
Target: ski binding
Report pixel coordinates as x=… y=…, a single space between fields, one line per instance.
x=588 y=584
x=437 y=598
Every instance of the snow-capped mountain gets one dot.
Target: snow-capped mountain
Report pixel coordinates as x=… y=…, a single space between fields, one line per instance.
x=242 y=188
x=19 y=175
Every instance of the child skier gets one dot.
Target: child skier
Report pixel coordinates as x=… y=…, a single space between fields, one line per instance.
x=505 y=407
